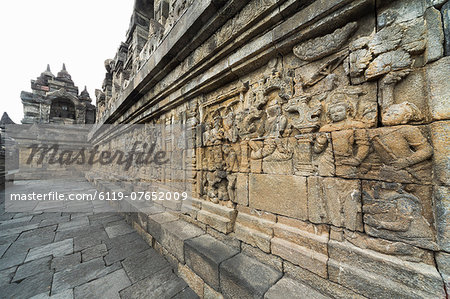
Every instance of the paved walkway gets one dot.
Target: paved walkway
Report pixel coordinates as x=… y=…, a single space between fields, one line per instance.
x=79 y=255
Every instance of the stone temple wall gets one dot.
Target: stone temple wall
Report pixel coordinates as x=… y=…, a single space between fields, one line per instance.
x=319 y=142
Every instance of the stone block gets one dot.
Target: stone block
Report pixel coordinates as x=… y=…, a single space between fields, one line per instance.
x=244 y=277
x=32 y=268
x=93 y=252
x=155 y=221
x=323 y=285
x=377 y=275
x=194 y=281
x=254 y=230
x=242 y=189
x=441 y=198
x=443 y=265
x=439 y=88
x=400 y=212
x=210 y=293
x=204 y=254
x=265 y=258
x=175 y=233
x=445 y=11
x=218 y=217
x=144 y=264
x=164 y=284
x=63 y=262
x=300 y=255
x=280 y=194
x=105 y=287
x=435 y=35
x=335 y=201
x=440 y=137
x=56 y=249
x=290 y=289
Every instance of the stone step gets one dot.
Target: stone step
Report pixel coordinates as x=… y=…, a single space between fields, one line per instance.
x=204 y=255
x=245 y=277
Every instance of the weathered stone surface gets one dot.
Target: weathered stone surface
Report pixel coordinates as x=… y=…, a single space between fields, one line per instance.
x=118 y=230
x=155 y=221
x=119 y=253
x=255 y=229
x=32 y=268
x=400 y=213
x=445 y=11
x=324 y=286
x=244 y=277
x=441 y=158
x=143 y=264
x=335 y=201
x=204 y=254
x=376 y=275
x=439 y=93
x=441 y=201
x=162 y=284
x=265 y=258
x=30 y=286
x=285 y=195
x=80 y=274
x=290 y=288
x=443 y=265
x=194 y=281
x=242 y=189
x=174 y=234
x=435 y=36
x=60 y=263
x=107 y=286
x=93 y=252
x=56 y=249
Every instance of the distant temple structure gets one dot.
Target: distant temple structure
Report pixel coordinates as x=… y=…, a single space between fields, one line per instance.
x=56 y=100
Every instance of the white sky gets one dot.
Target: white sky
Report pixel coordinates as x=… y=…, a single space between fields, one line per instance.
x=80 y=33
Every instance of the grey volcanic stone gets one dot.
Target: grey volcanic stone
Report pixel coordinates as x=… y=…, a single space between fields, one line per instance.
x=93 y=252
x=33 y=267
x=118 y=230
x=29 y=287
x=105 y=287
x=204 y=255
x=56 y=249
x=119 y=253
x=144 y=264
x=60 y=263
x=445 y=11
x=164 y=284
x=244 y=277
x=289 y=288
x=6 y=275
x=80 y=274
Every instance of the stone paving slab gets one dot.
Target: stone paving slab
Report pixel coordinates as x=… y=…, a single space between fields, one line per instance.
x=56 y=249
x=108 y=286
x=32 y=268
x=62 y=255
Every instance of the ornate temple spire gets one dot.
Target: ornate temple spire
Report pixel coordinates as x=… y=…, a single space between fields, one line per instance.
x=64 y=75
x=84 y=95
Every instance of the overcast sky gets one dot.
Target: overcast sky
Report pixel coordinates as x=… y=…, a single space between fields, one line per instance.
x=80 y=33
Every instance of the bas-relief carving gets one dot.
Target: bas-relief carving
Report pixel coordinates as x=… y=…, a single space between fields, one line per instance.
x=399 y=212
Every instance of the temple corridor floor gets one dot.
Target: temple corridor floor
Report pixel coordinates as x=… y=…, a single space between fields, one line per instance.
x=95 y=254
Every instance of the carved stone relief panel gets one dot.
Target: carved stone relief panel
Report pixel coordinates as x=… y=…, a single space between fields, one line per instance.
x=335 y=201
x=399 y=212
x=400 y=153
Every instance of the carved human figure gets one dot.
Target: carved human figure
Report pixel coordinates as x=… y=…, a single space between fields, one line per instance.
x=403 y=113
x=339 y=112
x=231 y=165
x=276 y=122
